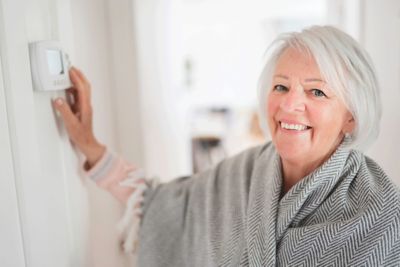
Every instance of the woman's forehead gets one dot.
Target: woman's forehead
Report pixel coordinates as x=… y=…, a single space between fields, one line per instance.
x=293 y=62
x=292 y=56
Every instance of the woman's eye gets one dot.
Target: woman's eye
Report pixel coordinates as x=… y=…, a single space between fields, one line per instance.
x=318 y=93
x=280 y=88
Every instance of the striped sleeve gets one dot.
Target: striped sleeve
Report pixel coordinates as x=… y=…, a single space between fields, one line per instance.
x=126 y=183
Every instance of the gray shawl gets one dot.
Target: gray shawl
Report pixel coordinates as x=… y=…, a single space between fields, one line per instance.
x=345 y=213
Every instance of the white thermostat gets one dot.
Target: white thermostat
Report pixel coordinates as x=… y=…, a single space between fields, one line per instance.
x=49 y=66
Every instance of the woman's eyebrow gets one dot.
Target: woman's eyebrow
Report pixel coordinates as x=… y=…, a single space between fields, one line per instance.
x=305 y=80
x=314 y=80
x=281 y=76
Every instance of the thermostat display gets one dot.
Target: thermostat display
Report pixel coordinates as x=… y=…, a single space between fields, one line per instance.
x=55 y=62
x=49 y=66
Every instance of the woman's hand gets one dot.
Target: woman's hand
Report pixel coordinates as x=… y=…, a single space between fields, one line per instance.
x=76 y=112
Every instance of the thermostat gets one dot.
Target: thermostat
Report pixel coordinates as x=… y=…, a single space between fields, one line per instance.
x=49 y=66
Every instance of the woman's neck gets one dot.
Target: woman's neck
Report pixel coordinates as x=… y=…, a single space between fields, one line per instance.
x=293 y=172
x=296 y=169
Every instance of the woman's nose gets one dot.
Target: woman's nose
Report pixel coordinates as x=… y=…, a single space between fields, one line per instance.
x=294 y=100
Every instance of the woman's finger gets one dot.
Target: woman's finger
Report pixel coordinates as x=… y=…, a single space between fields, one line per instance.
x=71 y=122
x=72 y=97
x=77 y=82
x=82 y=77
x=82 y=91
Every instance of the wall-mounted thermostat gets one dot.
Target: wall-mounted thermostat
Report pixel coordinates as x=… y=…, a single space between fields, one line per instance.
x=49 y=66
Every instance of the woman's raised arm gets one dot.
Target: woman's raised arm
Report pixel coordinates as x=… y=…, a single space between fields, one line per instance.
x=108 y=170
x=76 y=112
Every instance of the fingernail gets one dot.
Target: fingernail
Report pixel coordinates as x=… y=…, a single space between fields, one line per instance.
x=59 y=101
x=72 y=72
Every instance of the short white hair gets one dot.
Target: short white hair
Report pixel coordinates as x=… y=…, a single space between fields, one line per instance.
x=344 y=65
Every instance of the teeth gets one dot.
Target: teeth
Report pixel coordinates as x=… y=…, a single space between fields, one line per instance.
x=297 y=127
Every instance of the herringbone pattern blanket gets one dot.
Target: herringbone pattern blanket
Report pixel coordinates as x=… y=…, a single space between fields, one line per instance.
x=345 y=213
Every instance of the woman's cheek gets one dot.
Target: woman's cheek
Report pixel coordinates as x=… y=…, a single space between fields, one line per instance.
x=272 y=103
x=270 y=109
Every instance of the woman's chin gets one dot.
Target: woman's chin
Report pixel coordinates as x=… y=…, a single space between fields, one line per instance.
x=292 y=151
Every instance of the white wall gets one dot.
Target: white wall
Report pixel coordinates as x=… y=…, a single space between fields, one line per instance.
x=10 y=226
x=105 y=51
x=47 y=187
x=124 y=84
x=165 y=150
x=381 y=25
x=55 y=217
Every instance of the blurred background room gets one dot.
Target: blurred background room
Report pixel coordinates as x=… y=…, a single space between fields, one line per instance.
x=174 y=90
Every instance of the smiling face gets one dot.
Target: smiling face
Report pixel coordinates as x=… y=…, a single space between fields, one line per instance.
x=306 y=119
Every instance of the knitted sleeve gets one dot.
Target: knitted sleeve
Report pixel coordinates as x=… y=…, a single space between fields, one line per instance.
x=126 y=183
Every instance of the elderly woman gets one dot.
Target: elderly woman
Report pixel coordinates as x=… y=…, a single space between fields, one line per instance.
x=308 y=198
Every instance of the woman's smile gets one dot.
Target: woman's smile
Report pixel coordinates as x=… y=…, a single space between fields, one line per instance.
x=292 y=127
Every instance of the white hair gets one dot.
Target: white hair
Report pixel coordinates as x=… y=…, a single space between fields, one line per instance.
x=344 y=65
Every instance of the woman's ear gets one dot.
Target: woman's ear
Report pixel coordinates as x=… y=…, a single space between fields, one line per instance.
x=349 y=124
